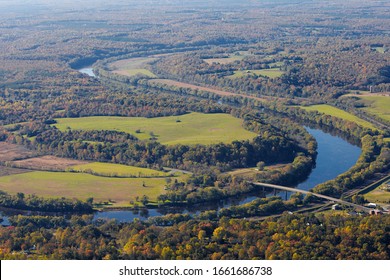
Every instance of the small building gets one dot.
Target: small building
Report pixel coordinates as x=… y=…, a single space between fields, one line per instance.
x=371 y=205
x=336 y=207
x=376 y=212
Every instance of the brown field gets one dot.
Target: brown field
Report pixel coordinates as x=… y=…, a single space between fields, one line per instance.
x=5 y=171
x=9 y=152
x=47 y=163
x=185 y=85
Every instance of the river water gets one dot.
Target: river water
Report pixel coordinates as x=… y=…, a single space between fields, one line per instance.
x=88 y=71
x=335 y=156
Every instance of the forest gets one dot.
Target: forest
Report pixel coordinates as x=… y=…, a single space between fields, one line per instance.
x=261 y=63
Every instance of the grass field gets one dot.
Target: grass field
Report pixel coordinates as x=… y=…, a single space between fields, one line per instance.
x=378 y=105
x=236 y=56
x=110 y=169
x=378 y=195
x=194 y=128
x=270 y=73
x=83 y=186
x=380 y=49
x=46 y=163
x=134 y=72
x=133 y=66
x=333 y=111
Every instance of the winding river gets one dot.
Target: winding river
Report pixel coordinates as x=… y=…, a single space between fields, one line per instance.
x=335 y=156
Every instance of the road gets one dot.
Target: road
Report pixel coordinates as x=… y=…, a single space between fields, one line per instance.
x=332 y=199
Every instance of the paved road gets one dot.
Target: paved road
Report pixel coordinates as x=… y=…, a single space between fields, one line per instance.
x=366 y=209
x=174 y=170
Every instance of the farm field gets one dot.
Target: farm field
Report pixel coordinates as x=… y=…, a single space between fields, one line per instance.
x=378 y=105
x=47 y=163
x=189 y=129
x=206 y=89
x=333 y=111
x=5 y=171
x=225 y=60
x=111 y=169
x=9 y=152
x=83 y=186
x=270 y=73
x=133 y=66
x=378 y=195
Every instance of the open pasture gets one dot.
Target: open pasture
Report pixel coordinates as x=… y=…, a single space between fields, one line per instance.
x=189 y=129
x=83 y=186
x=378 y=195
x=132 y=67
x=333 y=111
x=112 y=170
x=378 y=105
x=224 y=60
x=270 y=73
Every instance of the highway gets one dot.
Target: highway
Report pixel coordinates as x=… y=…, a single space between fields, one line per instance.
x=332 y=199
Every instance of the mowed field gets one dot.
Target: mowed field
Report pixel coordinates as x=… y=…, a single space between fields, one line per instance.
x=111 y=169
x=47 y=163
x=225 y=60
x=83 y=186
x=333 y=111
x=189 y=129
x=133 y=66
x=270 y=73
x=378 y=195
x=378 y=105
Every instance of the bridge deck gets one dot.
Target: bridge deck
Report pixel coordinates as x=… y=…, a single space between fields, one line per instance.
x=366 y=209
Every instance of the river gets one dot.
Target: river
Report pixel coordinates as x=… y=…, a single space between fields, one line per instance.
x=87 y=70
x=335 y=156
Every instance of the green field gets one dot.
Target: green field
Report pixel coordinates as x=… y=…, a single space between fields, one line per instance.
x=378 y=195
x=378 y=105
x=225 y=60
x=333 y=111
x=380 y=49
x=134 y=72
x=111 y=169
x=83 y=186
x=132 y=67
x=270 y=73
x=189 y=129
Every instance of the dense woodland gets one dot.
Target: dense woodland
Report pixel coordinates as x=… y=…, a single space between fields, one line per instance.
x=290 y=237
x=321 y=52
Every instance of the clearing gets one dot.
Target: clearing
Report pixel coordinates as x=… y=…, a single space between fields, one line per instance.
x=189 y=129
x=9 y=152
x=333 y=111
x=133 y=66
x=5 y=171
x=270 y=73
x=47 y=163
x=380 y=194
x=377 y=105
x=82 y=186
x=117 y=170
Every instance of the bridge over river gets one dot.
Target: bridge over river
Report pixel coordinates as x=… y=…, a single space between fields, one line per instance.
x=332 y=199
